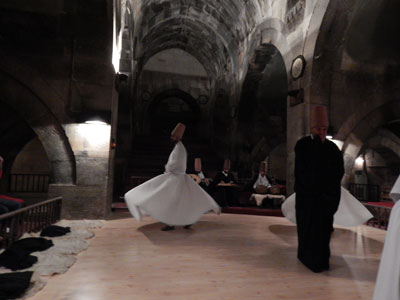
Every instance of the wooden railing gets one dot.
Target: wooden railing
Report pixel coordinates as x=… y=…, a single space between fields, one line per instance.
x=365 y=192
x=32 y=218
x=29 y=183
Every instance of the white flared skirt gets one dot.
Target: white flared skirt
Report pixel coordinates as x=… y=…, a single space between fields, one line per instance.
x=174 y=199
x=350 y=212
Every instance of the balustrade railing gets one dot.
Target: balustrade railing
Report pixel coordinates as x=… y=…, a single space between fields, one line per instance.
x=29 y=183
x=365 y=192
x=32 y=218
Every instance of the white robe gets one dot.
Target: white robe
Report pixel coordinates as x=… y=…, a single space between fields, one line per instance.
x=350 y=211
x=173 y=197
x=261 y=180
x=387 y=285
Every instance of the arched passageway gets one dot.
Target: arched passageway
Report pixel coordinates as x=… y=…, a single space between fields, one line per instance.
x=262 y=107
x=376 y=138
x=37 y=120
x=170 y=107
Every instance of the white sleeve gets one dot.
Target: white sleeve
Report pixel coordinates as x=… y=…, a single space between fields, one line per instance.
x=257 y=182
x=177 y=160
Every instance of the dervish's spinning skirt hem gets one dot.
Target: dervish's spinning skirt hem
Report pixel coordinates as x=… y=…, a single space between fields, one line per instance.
x=350 y=212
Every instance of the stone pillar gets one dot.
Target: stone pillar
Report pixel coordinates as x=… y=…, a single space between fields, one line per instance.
x=88 y=198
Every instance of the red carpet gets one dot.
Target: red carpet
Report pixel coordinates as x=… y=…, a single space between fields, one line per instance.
x=384 y=204
x=119 y=205
x=253 y=211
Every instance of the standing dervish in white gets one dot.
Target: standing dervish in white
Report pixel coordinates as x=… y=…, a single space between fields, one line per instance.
x=387 y=285
x=173 y=198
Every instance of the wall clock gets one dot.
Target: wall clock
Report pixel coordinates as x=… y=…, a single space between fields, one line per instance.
x=146 y=96
x=298 y=66
x=203 y=99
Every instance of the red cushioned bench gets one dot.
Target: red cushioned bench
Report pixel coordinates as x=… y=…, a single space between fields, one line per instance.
x=381 y=212
x=12 y=199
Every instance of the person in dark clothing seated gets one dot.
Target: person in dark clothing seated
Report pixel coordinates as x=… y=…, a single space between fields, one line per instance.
x=225 y=188
x=7 y=204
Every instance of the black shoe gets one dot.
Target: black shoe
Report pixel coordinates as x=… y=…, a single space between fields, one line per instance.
x=168 y=228
x=187 y=226
x=320 y=269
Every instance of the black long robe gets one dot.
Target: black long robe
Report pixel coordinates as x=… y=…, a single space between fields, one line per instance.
x=225 y=195
x=318 y=172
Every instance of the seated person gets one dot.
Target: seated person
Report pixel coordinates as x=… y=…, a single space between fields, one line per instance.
x=8 y=204
x=224 y=184
x=201 y=178
x=262 y=183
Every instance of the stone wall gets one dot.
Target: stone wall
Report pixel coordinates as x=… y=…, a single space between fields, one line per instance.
x=56 y=72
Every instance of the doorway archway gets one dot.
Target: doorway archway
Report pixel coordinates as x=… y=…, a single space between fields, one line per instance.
x=170 y=107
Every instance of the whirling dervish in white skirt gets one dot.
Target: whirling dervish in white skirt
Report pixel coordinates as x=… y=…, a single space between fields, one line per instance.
x=173 y=198
x=350 y=212
x=387 y=285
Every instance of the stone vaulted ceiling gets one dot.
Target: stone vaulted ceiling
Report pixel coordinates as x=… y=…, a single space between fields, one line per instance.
x=210 y=30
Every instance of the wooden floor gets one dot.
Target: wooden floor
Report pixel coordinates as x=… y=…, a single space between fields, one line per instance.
x=223 y=257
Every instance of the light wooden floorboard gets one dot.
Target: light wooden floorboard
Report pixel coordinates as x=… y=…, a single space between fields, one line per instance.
x=223 y=257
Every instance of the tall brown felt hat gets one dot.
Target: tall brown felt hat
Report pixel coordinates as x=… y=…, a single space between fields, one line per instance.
x=319 y=117
x=263 y=166
x=197 y=164
x=178 y=131
x=227 y=164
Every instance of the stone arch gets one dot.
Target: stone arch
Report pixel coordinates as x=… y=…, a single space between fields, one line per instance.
x=316 y=28
x=223 y=21
x=33 y=83
x=381 y=154
x=15 y=134
x=189 y=117
x=387 y=139
x=313 y=36
x=366 y=129
x=271 y=31
x=262 y=107
x=207 y=45
x=339 y=63
x=127 y=40
x=44 y=123
x=357 y=87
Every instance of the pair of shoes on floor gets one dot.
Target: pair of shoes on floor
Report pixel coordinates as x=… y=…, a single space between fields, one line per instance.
x=168 y=228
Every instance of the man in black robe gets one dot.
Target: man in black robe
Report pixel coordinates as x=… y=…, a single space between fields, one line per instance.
x=318 y=172
x=225 y=187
